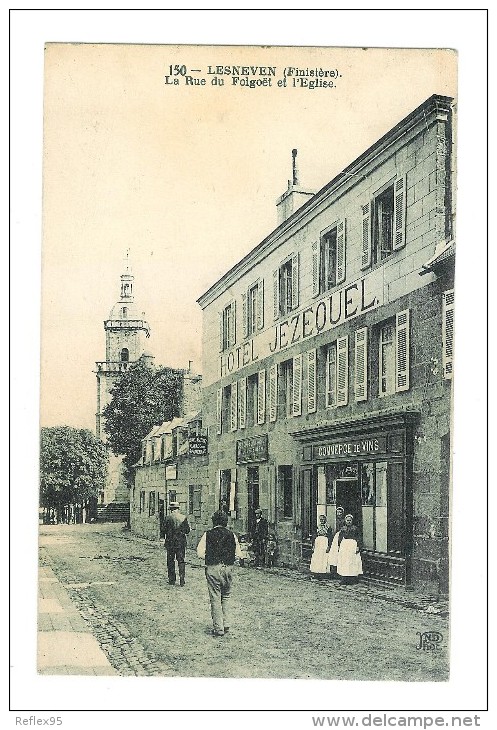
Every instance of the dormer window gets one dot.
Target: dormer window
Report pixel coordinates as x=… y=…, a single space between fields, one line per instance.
x=124 y=313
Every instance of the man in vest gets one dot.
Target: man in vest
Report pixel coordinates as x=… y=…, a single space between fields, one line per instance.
x=176 y=529
x=219 y=547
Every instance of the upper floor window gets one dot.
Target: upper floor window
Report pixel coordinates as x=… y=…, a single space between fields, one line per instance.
x=227 y=327
x=124 y=312
x=386 y=371
x=394 y=355
x=253 y=308
x=125 y=355
x=328 y=259
x=286 y=286
x=384 y=223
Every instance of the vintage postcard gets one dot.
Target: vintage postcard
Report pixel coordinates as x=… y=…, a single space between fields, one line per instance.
x=247 y=362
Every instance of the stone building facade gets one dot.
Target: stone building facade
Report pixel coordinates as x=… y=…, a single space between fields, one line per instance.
x=327 y=361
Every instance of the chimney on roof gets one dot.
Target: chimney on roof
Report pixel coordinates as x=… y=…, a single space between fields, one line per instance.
x=294 y=196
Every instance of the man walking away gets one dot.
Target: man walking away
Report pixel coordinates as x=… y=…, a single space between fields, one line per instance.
x=176 y=529
x=219 y=547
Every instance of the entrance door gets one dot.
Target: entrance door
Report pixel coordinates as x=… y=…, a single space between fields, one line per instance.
x=309 y=501
x=252 y=496
x=348 y=497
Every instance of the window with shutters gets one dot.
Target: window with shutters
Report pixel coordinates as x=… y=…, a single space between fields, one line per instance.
x=234 y=406
x=361 y=364
x=285 y=491
x=253 y=304
x=328 y=259
x=142 y=501
x=448 y=332
x=311 y=381
x=286 y=286
x=273 y=393
x=331 y=375
x=261 y=397
x=384 y=223
x=386 y=358
x=227 y=327
x=194 y=500
x=252 y=383
x=285 y=382
x=226 y=409
x=242 y=403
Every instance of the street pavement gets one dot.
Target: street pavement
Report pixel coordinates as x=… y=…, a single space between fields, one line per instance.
x=105 y=609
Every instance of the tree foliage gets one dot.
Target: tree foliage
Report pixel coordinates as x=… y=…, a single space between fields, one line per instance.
x=73 y=467
x=143 y=396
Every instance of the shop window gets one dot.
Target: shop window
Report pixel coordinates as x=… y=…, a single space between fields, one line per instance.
x=253 y=308
x=285 y=482
x=383 y=509
x=286 y=287
x=227 y=327
x=328 y=259
x=226 y=490
x=151 y=504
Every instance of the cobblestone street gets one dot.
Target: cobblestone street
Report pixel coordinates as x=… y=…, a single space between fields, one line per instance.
x=285 y=624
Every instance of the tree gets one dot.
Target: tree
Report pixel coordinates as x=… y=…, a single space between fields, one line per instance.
x=73 y=469
x=143 y=396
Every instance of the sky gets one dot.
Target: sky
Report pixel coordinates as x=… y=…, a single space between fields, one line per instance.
x=186 y=177
x=189 y=184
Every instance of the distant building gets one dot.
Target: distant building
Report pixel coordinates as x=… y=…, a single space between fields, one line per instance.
x=125 y=333
x=172 y=467
x=327 y=360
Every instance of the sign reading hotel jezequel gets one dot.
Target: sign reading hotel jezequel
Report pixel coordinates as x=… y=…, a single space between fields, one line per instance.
x=323 y=314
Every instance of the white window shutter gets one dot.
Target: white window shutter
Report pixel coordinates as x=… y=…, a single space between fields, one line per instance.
x=244 y=315
x=399 y=229
x=260 y=305
x=342 y=371
x=366 y=236
x=276 y=293
x=233 y=483
x=219 y=411
x=340 y=252
x=297 y=386
x=261 y=397
x=315 y=268
x=233 y=324
x=273 y=392
x=311 y=382
x=234 y=406
x=361 y=364
x=402 y=352
x=448 y=333
x=242 y=403
x=221 y=331
x=295 y=281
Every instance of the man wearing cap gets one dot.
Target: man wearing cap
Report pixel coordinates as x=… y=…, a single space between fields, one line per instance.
x=219 y=547
x=259 y=538
x=176 y=529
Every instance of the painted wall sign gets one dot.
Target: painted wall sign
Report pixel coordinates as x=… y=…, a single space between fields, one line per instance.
x=350 y=448
x=326 y=313
x=252 y=450
x=197 y=445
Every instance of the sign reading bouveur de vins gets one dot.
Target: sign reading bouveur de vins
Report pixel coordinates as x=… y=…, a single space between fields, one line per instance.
x=350 y=448
x=197 y=445
x=251 y=450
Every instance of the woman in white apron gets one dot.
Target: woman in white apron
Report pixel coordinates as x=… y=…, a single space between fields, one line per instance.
x=322 y=542
x=349 y=562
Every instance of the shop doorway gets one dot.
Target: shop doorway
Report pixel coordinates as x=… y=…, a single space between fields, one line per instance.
x=252 y=495
x=348 y=496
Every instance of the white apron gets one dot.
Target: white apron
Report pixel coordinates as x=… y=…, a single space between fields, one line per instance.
x=319 y=560
x=333 y=554
x=349 y=561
